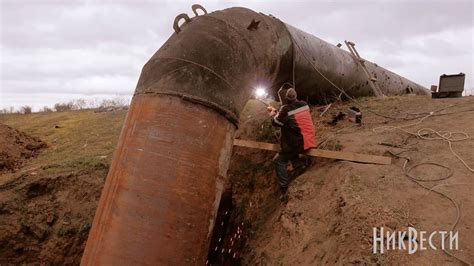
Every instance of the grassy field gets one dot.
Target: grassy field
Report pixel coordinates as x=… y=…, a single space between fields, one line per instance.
x=76 y=140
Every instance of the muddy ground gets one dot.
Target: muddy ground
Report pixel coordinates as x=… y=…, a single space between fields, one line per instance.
x=47 y=203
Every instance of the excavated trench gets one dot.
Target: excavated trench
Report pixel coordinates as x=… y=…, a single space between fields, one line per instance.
x=226 y=242
x=250 y=197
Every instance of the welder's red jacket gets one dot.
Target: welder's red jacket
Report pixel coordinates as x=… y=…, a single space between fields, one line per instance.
x=297 y=129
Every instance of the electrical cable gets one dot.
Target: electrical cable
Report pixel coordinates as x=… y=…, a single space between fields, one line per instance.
x=455 y=204
x=447 y=136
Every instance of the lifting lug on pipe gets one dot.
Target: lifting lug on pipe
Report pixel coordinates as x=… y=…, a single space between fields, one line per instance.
x=195 y=7
x=176 y=26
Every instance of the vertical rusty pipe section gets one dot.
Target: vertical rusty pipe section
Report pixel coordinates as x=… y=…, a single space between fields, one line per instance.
x=163 y=187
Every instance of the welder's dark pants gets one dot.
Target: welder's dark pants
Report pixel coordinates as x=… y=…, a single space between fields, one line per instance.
x=281 y=161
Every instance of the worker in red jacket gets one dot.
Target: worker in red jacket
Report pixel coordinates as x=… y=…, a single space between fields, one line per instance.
x=297 y=136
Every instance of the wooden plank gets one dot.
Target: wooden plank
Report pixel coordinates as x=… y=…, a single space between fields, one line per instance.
x=340 y=155
x=350 y=156
x=256 y=145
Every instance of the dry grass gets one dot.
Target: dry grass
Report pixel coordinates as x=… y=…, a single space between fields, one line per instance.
x=76 y=139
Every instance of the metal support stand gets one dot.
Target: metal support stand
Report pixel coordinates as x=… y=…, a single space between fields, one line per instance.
x=361 y=62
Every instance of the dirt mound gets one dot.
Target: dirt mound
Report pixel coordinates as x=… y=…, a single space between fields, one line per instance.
x=16 y=147
x=46 y=219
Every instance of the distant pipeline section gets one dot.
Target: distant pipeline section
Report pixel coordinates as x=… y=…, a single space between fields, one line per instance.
x=161 y=195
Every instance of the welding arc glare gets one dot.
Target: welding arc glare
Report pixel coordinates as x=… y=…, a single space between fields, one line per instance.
x=260 y=92
x=260 y=95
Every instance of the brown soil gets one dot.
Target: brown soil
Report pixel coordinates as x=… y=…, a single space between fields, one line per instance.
x=46 y=218
x=333 y=206
x=47 y=204
x=16 y=147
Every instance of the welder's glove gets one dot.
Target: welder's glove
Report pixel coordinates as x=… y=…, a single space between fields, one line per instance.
x=271 y=111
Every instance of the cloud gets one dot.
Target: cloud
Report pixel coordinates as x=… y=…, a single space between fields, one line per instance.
x=97 y=48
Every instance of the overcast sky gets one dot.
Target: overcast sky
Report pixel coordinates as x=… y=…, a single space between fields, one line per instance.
x=58 y=50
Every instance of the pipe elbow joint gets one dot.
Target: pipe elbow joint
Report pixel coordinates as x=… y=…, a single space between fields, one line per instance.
x=216 y=59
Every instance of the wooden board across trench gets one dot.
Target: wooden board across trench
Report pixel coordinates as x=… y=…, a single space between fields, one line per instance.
x=340 y=155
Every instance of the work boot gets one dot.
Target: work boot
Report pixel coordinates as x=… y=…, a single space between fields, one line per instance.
x=297 y=172
x=283 y=194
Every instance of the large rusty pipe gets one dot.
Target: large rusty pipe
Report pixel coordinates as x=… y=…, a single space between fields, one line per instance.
x=164 y=185
x=317 y=61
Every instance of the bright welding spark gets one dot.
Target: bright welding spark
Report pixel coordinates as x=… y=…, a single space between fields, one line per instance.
x=260 y=92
